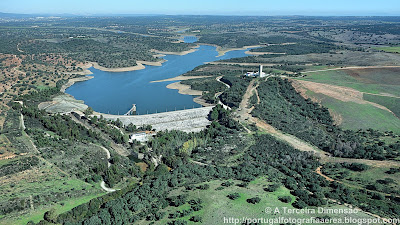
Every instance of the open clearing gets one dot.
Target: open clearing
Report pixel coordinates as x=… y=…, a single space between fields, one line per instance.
x=358 y=98
x=383 y=81
x=349 y=108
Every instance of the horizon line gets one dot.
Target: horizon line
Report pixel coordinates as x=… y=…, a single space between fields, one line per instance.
x=199 y=14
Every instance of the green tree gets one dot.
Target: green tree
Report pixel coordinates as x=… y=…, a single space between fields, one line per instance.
x=88 y=111
x=50 y=216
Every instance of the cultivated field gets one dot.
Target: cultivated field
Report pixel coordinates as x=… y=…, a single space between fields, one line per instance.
x=383 y=81
x=357 y=98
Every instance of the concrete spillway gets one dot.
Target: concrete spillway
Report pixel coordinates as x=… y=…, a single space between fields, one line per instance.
x=190 y=120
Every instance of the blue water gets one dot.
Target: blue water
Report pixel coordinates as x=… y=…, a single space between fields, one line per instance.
x=189 y=39
x=115 y=92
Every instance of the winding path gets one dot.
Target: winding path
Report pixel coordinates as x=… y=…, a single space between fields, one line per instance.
x=219 y=93
x=18 y=49
x=102 y=183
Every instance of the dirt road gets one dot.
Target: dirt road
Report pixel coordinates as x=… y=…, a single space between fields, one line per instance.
x=243 y=115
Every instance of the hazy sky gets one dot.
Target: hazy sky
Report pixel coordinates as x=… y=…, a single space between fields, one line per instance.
x=216 y=7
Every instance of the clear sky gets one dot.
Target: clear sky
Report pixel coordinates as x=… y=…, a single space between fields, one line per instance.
x=206 y=7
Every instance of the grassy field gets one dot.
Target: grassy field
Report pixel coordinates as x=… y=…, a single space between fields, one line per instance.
x=217 y=205
x=370 y=81
x=393 y=49
x=321 y=67
x=389 y=102
x=356 y=116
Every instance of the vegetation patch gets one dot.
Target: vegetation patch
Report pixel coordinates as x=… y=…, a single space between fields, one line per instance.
x=355 y=116
x=392 y=103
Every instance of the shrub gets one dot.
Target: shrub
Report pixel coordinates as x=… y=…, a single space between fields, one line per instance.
x=233 y=196
x=285 y=199
x=196 y=219
x=254 y=200
x=272 y=187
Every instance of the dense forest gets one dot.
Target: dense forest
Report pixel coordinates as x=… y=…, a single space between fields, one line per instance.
x=109 y=49
x=233 y=96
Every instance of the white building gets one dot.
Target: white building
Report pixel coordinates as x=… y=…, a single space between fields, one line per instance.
x=142 y=136
x=260 y=73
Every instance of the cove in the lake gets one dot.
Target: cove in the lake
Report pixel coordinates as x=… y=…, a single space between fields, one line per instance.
x=115 y=92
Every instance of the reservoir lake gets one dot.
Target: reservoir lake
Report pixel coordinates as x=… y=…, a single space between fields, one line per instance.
x=115 y=92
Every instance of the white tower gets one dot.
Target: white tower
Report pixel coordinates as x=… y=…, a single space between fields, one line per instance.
x=260 y=72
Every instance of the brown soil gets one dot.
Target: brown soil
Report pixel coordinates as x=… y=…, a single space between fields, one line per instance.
x=337 y=118
x=184 y=89
x=244 y=116
x=179 y=78
x=202 y=102
x=10 y=155
x=143 y=166
x=31 y=175
x=318 y=171
x=385 y=75
x=344 y=94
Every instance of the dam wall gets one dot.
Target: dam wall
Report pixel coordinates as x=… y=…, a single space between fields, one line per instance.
x=189 y=120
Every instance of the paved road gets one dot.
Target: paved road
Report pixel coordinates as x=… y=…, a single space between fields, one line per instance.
x=103 y=185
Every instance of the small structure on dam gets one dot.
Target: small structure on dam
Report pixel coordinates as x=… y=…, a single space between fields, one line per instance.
x=132 y=111
x=189 y=120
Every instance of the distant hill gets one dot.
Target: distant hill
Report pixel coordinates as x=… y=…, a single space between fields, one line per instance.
x=15 y=15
